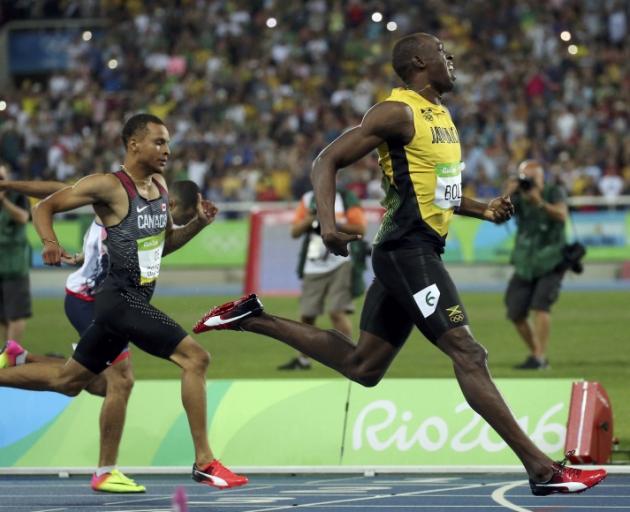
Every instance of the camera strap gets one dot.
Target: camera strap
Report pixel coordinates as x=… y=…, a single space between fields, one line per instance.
x=574 y=252
x=575 y=236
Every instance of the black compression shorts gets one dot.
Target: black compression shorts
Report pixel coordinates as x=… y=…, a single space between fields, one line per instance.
x=121 y=316
x=411 y=287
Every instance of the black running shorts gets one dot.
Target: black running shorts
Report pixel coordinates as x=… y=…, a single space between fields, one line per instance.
x=121 y=316
x=411 y=287
x=79 y=311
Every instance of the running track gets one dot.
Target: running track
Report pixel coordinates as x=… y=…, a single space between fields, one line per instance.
x=336 y=493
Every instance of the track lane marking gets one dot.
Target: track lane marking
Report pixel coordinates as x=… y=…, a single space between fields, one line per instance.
x=499 y=496
x=379 y=496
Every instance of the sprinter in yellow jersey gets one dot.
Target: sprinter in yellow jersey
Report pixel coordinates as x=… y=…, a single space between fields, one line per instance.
x=420 y=156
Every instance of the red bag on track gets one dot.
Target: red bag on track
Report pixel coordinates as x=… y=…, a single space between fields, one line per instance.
x=590 y=424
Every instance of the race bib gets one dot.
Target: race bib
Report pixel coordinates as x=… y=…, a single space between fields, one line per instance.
x=448 y=185
x=150 y=256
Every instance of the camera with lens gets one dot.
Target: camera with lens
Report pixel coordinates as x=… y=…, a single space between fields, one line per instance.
x=572 y=255
x=525 y=183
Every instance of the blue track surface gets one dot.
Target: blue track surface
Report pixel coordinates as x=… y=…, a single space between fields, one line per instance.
x=464 y=493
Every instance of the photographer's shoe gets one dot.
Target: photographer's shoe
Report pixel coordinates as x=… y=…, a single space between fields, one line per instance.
x=297 y=363
x=568 y=480
x=533 y=363
x=230 y=314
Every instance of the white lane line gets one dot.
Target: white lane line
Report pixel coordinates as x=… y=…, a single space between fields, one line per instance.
x=135 y=502
x=499 y=496
x=50 y=510
x=143 y=510
x=329 y=480
x=190 y=488
x=580 y=496
x=378 y=497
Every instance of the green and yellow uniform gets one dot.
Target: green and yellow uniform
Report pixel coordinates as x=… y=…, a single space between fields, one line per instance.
x=422 y=182
x=421 y=179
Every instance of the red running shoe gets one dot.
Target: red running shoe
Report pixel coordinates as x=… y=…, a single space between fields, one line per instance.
x=216 y=474
x=230 y=314
x=568 y=480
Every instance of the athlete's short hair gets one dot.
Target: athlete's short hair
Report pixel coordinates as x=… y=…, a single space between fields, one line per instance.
x=138 y=123
x=185 y=192
x=404 y=51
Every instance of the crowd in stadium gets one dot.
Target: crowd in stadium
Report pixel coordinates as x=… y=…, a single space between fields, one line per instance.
x=252 y=90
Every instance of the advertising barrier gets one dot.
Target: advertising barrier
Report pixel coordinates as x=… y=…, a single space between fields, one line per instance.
x=222 y=245
x=331 y=422
x=225 y=243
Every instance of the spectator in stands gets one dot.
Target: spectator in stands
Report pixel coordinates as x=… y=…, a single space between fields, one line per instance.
x=232 y=86
x=611 y=184
x=540 y=213
x=15 y=261
x=329 y=282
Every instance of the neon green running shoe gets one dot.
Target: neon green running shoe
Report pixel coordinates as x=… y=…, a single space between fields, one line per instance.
x=116 y=482
x=9 y=354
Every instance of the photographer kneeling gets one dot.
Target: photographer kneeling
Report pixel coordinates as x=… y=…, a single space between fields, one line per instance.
x=540 y=213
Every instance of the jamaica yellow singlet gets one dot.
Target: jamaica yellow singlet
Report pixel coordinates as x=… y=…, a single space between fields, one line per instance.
x=422 y=180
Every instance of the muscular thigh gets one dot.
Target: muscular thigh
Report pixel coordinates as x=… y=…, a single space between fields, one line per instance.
x=419 y=283
x=149 y=328
x=384 y=316
x=120 y=317
x=98 y=347
x=81 y=314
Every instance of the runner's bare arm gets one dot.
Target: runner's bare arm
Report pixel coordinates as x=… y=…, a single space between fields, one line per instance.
x=37 y=189
x=388 y=121
x=93 y=189
x=176 y=237
x=498 y=210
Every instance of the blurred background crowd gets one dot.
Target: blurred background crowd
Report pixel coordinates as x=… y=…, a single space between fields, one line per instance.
x=252 y=90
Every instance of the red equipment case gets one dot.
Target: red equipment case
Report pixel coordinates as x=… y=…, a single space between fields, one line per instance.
x=590 y=424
